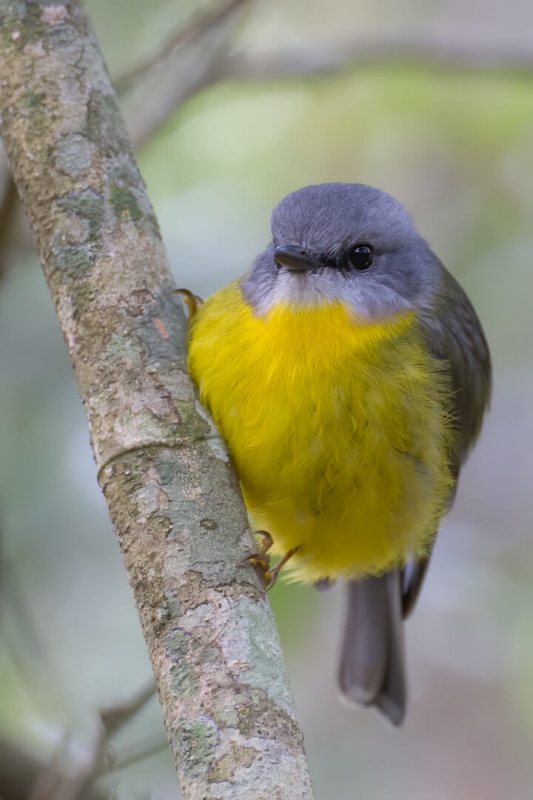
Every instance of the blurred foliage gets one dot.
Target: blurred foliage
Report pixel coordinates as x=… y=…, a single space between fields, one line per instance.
x=458 y=150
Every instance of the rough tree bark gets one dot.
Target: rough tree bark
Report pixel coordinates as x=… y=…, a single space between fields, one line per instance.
x=172 y=495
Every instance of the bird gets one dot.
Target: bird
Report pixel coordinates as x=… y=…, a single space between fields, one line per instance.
x=349 y=375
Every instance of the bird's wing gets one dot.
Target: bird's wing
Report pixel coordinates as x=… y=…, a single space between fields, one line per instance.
x=454 y=336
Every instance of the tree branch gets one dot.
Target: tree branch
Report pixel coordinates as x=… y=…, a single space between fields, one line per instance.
x=15 y=238
x=52 y=784
x=185 y=35
x=166 y=79
x=176 y=76
x=135 y=753
x=116 y=717
x=172 y=495
x=8 y=212
x=213 y=63
x=425 y=50
x=20 y=771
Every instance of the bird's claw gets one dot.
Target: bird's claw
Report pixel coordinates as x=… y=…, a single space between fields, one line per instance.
x=192 y=301
x=262 y=559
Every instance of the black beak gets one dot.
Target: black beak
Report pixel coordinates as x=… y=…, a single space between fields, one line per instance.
x=293 y=259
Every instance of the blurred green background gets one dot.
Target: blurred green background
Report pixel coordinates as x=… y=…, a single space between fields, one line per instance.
x=457 y=149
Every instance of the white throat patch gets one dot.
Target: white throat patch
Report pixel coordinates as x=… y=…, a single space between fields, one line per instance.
x=299 y=289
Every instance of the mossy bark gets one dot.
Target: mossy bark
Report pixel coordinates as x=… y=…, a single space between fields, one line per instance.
x=171 y=491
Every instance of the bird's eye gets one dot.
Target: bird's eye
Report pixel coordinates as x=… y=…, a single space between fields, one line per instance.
x=361 y=257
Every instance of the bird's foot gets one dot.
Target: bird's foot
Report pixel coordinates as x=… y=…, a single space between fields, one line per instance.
x=192 y=301
x=262 y=559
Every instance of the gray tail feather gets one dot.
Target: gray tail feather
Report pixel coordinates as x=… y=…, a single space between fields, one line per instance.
x=372 y=665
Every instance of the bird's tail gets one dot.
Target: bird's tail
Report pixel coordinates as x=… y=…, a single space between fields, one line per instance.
x=372 y=665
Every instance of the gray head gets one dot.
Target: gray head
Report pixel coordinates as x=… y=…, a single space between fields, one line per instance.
x=343 y=242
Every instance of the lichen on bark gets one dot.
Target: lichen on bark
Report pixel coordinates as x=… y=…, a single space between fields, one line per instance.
x=172 y=495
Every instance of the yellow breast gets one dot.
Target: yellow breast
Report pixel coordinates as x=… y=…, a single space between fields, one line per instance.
x=338 y=428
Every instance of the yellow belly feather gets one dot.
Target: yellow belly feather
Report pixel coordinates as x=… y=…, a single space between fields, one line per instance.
x=339 y=429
